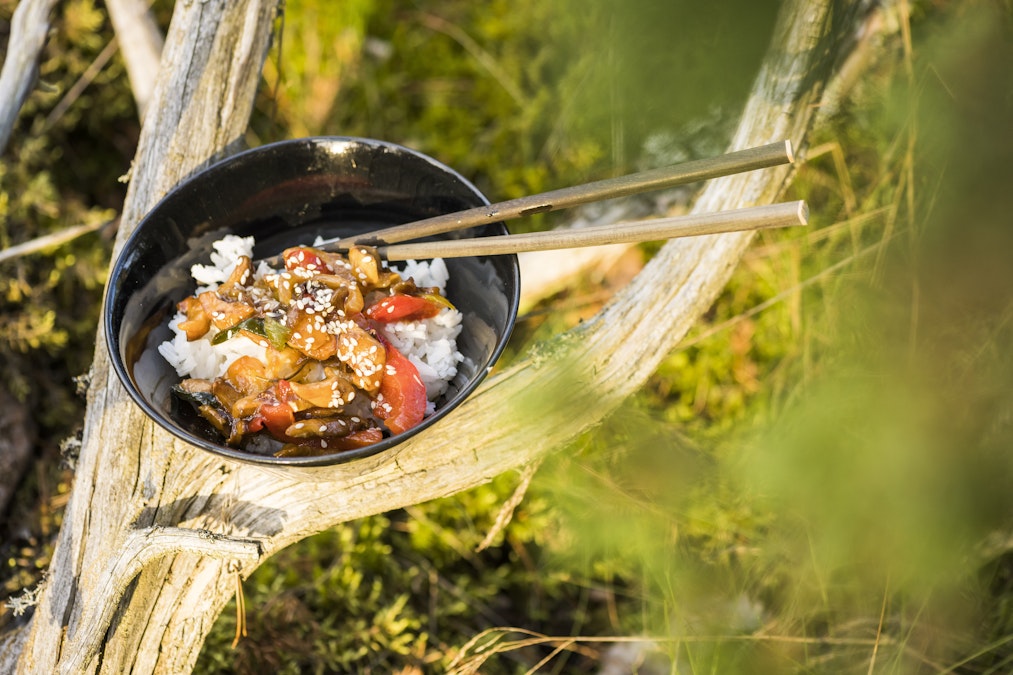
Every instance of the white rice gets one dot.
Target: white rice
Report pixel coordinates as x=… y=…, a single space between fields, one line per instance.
x=430 y=344
x=426 y=273
x=225 y=256
x=200 y=358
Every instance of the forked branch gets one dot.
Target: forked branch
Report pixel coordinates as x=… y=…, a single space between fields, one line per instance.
x=134 y=477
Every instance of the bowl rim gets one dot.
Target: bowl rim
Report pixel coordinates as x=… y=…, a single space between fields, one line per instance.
x=388 y=444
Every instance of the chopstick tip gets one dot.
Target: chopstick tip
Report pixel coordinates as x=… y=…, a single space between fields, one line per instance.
x=803 y=213
x=789 y=151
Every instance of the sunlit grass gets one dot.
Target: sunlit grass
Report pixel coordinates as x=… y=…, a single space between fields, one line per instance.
x=851 y=492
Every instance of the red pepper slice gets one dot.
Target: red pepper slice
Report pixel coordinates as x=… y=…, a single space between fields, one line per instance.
x=406 y=308
x=401 y=403
x=275 y=413
x=306 y=258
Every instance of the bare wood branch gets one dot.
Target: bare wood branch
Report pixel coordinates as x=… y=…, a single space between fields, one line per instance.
x=50 y=240
x=141 y=44
x=545 y=272
x=29 y=27
x=141 y=548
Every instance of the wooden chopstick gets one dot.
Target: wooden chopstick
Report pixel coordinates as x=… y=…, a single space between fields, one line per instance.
x=740 y=161
x=786 y=214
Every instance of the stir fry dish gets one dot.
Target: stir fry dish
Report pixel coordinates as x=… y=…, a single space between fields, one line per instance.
x=311 y=358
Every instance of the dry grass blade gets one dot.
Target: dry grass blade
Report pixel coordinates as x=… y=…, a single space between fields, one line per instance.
x=495 y=641
x=822 y=274
x=50 y=240
x=83 y=82
x=506 y=512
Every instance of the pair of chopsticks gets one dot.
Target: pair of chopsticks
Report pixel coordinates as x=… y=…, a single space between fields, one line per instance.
x=759 y=217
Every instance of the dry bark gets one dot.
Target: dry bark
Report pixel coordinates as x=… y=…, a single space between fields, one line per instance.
x=29 y=27
x=156 y=530
x=141 y=44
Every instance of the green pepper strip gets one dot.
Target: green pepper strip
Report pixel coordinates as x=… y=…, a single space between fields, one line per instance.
x=267 y=328
x=438 y=299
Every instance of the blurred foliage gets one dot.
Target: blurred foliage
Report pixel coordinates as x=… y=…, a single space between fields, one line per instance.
x=853 y=390
x=59 y=171
x=817 y=481
x=517 y=96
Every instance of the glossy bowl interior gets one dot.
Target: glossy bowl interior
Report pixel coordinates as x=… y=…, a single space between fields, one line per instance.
x=285 y=194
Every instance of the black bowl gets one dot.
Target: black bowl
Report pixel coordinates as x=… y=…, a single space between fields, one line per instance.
x=285 y=194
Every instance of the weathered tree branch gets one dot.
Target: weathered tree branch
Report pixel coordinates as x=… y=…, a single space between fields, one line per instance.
x=141 y=45
x=133 y=477
x=141 y=548
x=29 y=28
